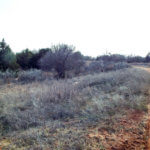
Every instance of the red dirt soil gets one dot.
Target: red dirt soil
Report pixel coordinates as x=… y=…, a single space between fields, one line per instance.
x=128 y=136
x=148 y=129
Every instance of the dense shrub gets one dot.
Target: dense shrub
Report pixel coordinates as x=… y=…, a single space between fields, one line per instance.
x=136 y=59
x=101 y=66
x=62 y=58
x=7 y=57
x=112 y=58
x=30 y=75
x=23 y=58
x=7 y=74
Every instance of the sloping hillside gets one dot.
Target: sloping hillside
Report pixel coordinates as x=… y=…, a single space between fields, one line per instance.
x=100 y=111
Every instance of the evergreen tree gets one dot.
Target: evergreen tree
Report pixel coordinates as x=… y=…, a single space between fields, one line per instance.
x=7 y=57
x=23 y=58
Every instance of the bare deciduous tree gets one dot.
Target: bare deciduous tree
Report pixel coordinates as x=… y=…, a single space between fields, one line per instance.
x=61 y=58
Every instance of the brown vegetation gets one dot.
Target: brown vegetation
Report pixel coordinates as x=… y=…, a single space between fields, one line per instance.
x=86 y=112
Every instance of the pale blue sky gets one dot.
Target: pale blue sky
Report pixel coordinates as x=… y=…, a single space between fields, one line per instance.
x=92 y=26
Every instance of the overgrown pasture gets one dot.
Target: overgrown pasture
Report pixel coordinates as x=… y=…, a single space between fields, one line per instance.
x=56 y=114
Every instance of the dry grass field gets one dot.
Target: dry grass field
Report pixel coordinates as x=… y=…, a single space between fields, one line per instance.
x=92 y=112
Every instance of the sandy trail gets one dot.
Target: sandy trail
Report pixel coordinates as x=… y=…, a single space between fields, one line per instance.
x=143 y=68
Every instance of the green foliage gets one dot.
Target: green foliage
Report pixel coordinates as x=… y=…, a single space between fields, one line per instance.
x=23 y=58
x=28 y=59
x=7 y=57
x=147 y=58
x=62 y=59
x=34 y=61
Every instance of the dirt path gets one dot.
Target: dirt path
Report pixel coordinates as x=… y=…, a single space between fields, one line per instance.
x=143 y=68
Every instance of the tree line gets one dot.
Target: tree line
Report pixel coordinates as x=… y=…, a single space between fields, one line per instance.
x=60 y=58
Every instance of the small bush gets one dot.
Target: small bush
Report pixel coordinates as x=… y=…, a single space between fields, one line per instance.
x=30 y=75
x=101 y=66
x=8 y=74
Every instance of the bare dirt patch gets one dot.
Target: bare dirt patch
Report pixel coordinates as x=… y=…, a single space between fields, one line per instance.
x=129 y=133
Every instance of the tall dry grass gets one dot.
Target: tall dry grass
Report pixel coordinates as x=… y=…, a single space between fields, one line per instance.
x=88 y=99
